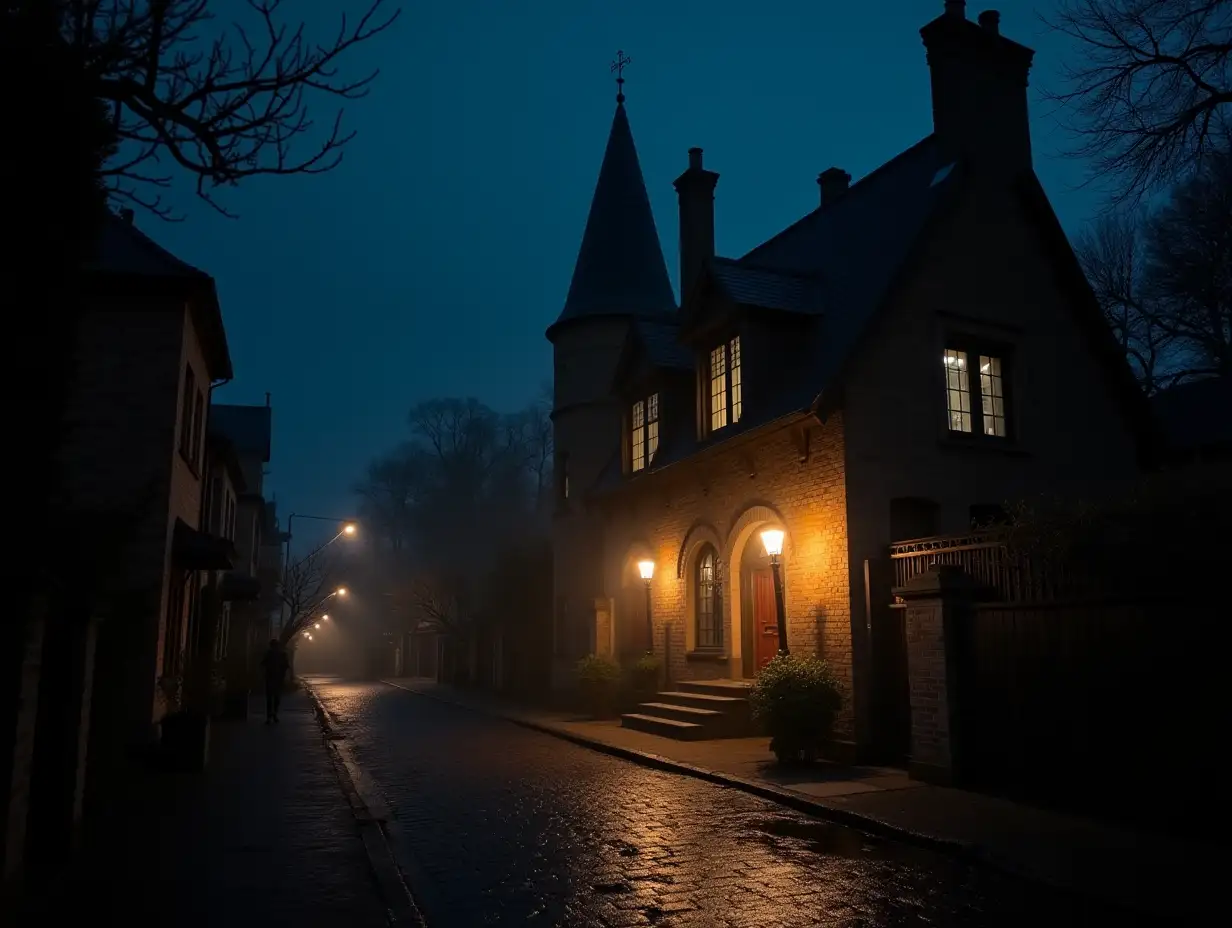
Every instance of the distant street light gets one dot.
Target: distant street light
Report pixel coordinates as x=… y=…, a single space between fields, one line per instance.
x=325 y=618
x=772 y=538
x=341 y=591
x=316 y=625
x=349 y=528
x=646 y=568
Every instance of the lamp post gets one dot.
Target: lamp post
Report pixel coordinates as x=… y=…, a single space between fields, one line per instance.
x=646 y=567
x=349 y=528
x=772 y=538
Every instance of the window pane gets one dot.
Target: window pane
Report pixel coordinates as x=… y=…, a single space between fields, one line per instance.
x=706 y=604
x=718 y=387
x=652 y=427
x=638 y=433
x=992 y=396
x=957 y=391
x=737 y=404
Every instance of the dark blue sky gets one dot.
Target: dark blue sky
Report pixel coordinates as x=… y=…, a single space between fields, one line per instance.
x=430 y=263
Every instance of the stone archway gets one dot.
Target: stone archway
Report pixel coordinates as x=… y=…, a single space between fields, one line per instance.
x=746 y=567
x=700 y=535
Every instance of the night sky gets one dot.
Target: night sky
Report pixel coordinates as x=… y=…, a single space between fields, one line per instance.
x=430 y=263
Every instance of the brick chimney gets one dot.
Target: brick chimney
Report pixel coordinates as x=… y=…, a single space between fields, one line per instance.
x=979 y=87
x=833 y=183
x=695 y=191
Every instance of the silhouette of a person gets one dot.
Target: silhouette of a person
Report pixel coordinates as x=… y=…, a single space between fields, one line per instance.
x=276 y=666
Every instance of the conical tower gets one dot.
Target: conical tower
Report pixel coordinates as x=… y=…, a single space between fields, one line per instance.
x=620 y=275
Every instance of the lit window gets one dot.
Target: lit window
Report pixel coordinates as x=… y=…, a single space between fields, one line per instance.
x=726 y=389
x=644 y=431
x=957 y=391
x=707 y=605
x=990 y=416
x=992 y=396
x=733 y=354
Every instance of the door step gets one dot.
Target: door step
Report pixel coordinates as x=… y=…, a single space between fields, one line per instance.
x=656 y=725
x=695 y=710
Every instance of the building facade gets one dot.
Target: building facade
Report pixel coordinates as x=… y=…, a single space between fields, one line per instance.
x=916 y=351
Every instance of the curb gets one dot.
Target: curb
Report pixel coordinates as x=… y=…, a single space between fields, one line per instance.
x=372 y=815
x=966 y=851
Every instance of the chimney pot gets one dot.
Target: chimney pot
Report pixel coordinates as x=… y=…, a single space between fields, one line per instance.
x=833 y=183
x=695 y=159
x=991 y=20
x=956 y=8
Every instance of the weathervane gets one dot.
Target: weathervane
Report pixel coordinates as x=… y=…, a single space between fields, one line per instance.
x=618 y=68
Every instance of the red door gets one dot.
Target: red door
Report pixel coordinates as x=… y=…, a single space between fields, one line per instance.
x=765 y=622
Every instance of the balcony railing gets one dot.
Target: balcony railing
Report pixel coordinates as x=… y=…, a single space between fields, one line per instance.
x=1003 y=574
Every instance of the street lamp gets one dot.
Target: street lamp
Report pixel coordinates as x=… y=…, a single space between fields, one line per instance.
x=772 y=538
x=646 y=567
x=316 y=624
x=341 y=591
x=349 y=528
x=325 y=618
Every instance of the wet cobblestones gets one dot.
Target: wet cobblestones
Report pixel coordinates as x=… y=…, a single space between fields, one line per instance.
x=514 y=827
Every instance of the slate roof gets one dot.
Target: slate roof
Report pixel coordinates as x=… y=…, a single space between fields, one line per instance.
x=770 y=289
x=835 y=266
x=125 y=249
x=129 y=259
x=1196 y=415
x=620 y=268
x=660 y=341
x=248 y=427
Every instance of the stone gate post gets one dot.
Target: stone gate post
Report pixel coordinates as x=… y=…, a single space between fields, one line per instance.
x=937 y=601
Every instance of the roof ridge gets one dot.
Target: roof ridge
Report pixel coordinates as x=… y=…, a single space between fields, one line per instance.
x=862 y=182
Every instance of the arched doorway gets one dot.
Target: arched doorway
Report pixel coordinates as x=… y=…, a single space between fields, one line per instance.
x=754 y=622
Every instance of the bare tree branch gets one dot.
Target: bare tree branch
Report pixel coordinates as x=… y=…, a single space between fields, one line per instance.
x=1149 y=92
x=218 y=103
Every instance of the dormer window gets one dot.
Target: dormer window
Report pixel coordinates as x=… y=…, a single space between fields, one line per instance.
x=985 y=379
x=644 y=432
x=726 y=400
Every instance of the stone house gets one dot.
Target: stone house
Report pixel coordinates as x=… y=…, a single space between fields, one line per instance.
x=918 y=348
x=150 y=350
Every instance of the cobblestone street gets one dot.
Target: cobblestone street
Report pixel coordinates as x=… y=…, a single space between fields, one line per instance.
x=515 y=827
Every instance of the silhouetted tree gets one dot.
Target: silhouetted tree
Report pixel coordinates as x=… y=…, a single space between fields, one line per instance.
x=305 y=591
x=220 y=104
x=1164 y=278
x=1113 y=256
x=1190 y=252
x=1150 y=85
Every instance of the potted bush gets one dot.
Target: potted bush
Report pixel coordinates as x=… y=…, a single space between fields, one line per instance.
x=795 y=700
x=597 y=680
x=644 y=676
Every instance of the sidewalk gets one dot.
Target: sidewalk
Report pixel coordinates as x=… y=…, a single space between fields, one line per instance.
x=1164 y=876
x=265 y=836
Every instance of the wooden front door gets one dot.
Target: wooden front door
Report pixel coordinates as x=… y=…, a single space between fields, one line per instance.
x=765 y=622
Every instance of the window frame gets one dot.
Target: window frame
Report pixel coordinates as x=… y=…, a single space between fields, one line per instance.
x=715 y=596
x=732 y=390
x=651 y=427
x=974 y=349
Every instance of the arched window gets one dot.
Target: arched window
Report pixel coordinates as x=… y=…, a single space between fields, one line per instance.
x=707 y=599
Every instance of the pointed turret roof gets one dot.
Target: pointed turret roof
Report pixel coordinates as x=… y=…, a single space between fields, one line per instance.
x=620 y=268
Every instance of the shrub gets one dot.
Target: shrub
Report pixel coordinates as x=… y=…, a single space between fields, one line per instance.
x=645 y=672
x=597 y=678
x=796 y=700
x=593 y=670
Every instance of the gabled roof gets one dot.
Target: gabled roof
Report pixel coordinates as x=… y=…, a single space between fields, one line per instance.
x=620 y=268
x=248 y=427
x=128 y=260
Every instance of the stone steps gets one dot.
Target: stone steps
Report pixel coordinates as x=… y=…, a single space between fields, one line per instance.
x=696 y=710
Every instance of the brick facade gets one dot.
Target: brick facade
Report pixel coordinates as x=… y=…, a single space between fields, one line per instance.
x=725 y=498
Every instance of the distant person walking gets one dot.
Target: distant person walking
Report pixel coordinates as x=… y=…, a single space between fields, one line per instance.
x=276 y=666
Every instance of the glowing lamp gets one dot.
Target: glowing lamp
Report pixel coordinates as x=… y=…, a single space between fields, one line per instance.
x=772 y=538
x=341 y=591
x=325 y=618
x=646 y=568
x=349 y=528
x=316 y=625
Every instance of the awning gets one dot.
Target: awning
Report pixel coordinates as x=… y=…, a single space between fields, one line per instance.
x=192 y=549
x=239 y=587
